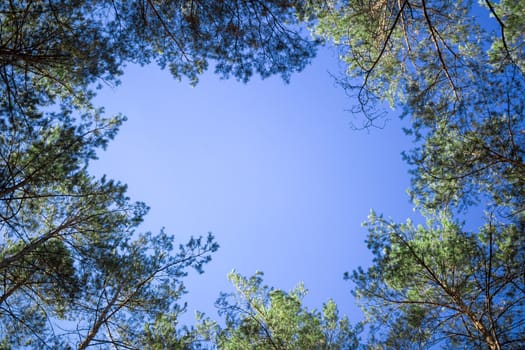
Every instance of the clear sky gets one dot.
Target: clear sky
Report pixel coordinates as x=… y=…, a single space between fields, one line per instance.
x=274 y=170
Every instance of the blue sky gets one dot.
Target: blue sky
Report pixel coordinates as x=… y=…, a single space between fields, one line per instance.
x=274 y=170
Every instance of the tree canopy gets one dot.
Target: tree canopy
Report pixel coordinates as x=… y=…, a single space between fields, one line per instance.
x=260 y=317
x=440 y=285
x=75 y=269
x=456 y=69
x=457 y=74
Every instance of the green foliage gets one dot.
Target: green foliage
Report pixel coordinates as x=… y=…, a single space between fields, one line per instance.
x=460 y=79
x=74 y=270
x=260 y=317
x=62 y=46
x=70 y=252
x=440 y=285
x=76 y=273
